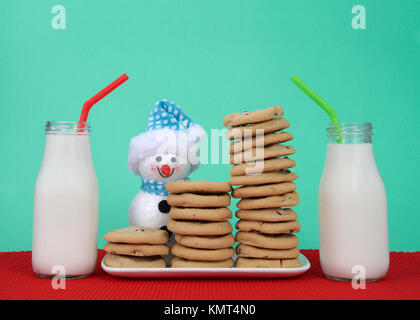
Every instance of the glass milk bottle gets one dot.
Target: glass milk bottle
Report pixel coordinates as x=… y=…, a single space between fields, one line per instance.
x=352 y=205
x=65 y=204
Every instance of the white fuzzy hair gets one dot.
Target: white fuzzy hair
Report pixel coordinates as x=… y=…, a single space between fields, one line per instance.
x=147 y=144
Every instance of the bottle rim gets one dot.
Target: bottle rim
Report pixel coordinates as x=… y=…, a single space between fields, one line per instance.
x=350 y=129
x=67 y=127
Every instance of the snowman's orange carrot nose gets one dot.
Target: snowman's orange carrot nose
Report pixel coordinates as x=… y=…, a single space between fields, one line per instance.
x=166 y=170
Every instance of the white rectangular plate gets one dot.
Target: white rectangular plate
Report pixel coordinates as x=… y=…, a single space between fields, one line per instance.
x=174 y=273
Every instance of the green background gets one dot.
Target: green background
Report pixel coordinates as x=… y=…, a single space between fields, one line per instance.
x=212 y=58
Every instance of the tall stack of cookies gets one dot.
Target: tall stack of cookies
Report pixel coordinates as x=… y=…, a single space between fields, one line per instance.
x=199 y=218
x=136 y=247
x=266 y=188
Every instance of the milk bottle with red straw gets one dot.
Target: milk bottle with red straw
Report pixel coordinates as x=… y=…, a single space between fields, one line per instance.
x=66 y=198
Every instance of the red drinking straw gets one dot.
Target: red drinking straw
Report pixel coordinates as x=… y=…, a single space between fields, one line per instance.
x=101 y=94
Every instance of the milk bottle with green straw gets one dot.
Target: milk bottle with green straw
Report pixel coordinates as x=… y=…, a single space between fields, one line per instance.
x=352 y=205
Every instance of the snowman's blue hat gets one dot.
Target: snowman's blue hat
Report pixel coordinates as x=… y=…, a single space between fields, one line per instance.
x=167 y=114
x=167 y=124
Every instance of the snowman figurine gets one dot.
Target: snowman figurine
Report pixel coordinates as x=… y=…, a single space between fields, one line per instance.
x=167 y=151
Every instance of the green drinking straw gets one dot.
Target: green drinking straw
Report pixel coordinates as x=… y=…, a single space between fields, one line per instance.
x=321 y=102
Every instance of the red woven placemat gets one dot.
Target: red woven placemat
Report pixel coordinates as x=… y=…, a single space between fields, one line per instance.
x=17 y=281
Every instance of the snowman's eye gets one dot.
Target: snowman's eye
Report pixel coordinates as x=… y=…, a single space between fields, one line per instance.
x=158 y=159
x=173 y=159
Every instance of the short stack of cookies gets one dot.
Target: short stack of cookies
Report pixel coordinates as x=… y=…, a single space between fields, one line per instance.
x=261 y=169
x=199 y=219
x=136 y=247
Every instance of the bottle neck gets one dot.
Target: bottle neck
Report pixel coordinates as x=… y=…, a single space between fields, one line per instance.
x=350 y=133
x=67 y=128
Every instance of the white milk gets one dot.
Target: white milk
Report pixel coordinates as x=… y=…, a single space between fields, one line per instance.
x=353 y=223
x=65 y=208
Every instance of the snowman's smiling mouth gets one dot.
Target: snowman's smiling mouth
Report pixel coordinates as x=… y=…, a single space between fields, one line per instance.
x=165 y=175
